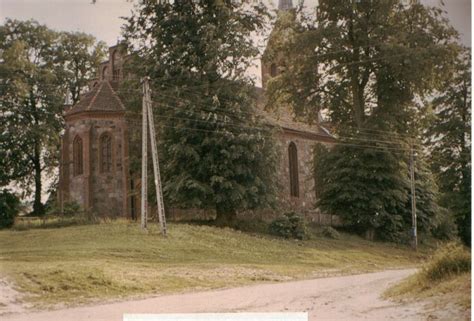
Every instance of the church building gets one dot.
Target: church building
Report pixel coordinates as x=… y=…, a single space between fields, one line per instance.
x=95 y=171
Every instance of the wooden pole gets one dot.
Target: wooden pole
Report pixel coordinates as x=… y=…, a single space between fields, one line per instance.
x=156 y=163
x=413 y=199
x=144 y=203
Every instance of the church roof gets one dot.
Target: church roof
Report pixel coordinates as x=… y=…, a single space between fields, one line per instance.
x=103 y=97
x=284 y=118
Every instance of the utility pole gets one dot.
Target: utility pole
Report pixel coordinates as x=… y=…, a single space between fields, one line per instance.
x=144 y=205
x=148 y=122
x=156 y=163
x=413 y=199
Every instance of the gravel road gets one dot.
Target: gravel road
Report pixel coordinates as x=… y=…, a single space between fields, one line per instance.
x=355 y=297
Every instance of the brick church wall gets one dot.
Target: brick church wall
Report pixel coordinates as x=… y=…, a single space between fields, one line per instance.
x=105 y=190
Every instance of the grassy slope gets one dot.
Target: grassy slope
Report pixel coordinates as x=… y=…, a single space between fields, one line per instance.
x=445 y=280
x=82 y=263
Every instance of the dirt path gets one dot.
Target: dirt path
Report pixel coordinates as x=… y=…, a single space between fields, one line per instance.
x=355 y=297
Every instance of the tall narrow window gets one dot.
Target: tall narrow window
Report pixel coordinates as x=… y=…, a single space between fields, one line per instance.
x=105 y=153
x=77 y=156
x=293 y=163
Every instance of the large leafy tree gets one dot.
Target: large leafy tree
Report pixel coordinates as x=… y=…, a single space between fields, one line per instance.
x=216 y=152
x=450 y=143
x=367 y=65
x=77 y=57
x=35 y=73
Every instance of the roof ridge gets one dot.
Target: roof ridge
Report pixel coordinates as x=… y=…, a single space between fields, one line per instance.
x=95 y=96
x=115 y=95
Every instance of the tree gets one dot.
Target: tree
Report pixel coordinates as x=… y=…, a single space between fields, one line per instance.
x=375 y=62
x=450 y=143
x=217 y=153
x=77 y=57
x=34 y=70
x=370 y=55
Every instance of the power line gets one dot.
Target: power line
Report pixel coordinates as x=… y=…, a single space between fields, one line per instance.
x=390 y=149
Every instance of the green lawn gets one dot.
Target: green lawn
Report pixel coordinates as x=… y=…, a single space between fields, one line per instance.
x=80 y=264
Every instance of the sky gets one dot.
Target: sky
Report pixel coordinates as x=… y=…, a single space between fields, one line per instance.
x=103 y=19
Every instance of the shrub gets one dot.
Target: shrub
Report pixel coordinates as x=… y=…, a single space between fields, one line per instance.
x=331 y=233
x=291 y=225
x=445 y=228
x=71 y=209
x=451 y=259
x=9 y=208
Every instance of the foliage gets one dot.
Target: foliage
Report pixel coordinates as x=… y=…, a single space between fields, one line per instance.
x=217 y=153
x=290 y=225
x=9 y=208
x=376 y=62
x=445 y=227
x=363 y=188
x=450 y=144
x=71 y=209
x=369 y=188
x=445 y=278
x=427 y=194
x=449 y=260
x=77 y=57
x=330 y=232
x=371 y=55
x=35 y=69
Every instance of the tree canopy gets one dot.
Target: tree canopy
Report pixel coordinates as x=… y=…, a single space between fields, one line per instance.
x=368 y=66
x=449 y=141
x=37 y=67
x=217 y=153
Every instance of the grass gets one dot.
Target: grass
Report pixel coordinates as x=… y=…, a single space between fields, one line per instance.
x=78 y=264
x=445 y=278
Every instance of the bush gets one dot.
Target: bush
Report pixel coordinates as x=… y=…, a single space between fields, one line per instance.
x=452 y=259
x=445 y=228
x=331 y=233
x=291 y=225
x=9 y=208
x=71 y=209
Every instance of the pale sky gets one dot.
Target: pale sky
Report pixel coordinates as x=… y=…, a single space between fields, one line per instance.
x=103 y=18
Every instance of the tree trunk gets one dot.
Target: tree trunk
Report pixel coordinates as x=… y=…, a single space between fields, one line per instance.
x=38 y=207
x=225 y=216
x=370 y=234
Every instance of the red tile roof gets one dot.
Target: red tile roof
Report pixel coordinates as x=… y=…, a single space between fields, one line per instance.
x=102 y=97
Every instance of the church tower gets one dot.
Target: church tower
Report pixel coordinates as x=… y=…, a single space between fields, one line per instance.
x=272 y=62
x=94 y=159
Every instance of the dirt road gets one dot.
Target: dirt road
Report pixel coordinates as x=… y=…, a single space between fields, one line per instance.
x=355 y=297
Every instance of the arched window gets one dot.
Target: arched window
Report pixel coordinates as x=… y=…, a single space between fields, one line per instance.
x=293 y=164
x=114 y=58
x=77 y=156
x=105 y=153
x=273 y=70
x=104 y=72
x=115 y=65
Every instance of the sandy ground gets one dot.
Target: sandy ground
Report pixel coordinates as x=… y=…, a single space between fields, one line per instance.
x=355 y=297
x=10 y=300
